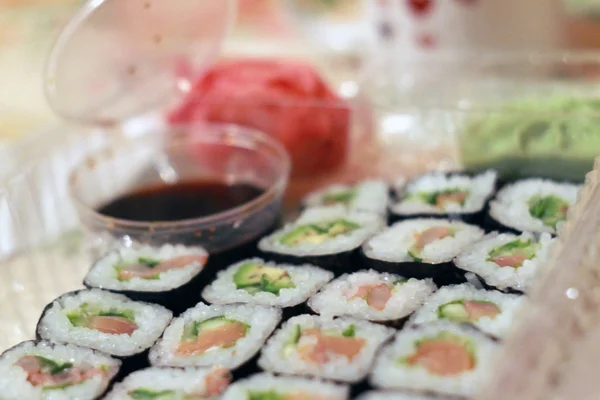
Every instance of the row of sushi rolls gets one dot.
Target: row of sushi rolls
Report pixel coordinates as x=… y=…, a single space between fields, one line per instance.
x=375 y=291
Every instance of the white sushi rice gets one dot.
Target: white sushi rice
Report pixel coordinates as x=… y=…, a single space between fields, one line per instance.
x=370 y=196
x=370 y=224
x=286 y=385
x=13 y=379
x=498 y=326
x=480 y=188
x=185 y=381
x=151 y=320
x=393 y=244
x=474 y=259
x=335 y=298
x=388 y=373
x=374 y=395
x=104 y=275
x=262 y=321
x=307 y=278
x=338 y=367
x=510 y=206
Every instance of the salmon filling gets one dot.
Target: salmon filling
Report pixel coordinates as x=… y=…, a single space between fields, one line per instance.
x=47 y=373
x=426 y=237
x=147 y=268
x=513 y=254
x=468 y=310
x=441 y=199
x=112 y=321
x=319 y=346
x=218 y=332
x=445 y=355
x=376 y=295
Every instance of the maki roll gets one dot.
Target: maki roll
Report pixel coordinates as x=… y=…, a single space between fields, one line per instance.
x=439 y=194
x=269 y=387
x=369 y=196
x=104 y=321
x=341 y=349
x=440 y=357
x=375 y=395
x=506 y=261
x=533 y=205
x=371 y=295
x=167 y=275
x=325 y=236
x=422 y=248
x=259 y=282
x=43 y=370
x=172 y=384
x=491 y=311
x=215 y=335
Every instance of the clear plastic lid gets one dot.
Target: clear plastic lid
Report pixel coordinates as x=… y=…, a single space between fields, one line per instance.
x=117 y=59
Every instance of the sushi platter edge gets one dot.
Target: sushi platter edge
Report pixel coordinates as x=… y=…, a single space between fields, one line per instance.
x=552 y=353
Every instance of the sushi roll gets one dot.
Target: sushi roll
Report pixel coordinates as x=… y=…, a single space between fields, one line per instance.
x=489 y=310
x=205 y=335
x=371 y=295
x=439 y=194
x=422 y=248
x=269 y=387
x=440 y=357
x=107 y=322
x=325 y=236
x=506 y=261
x=369 y=196
x=341 y=349
x=259 y=282
x=172 y=384
x=166 y=275
x=533 y=205
x=43 y=370
x=381 y=395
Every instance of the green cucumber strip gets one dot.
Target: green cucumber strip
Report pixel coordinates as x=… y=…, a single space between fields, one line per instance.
x=350 y=331
x=149 y=262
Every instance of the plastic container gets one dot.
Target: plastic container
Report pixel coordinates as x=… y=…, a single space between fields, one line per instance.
x=232 y=154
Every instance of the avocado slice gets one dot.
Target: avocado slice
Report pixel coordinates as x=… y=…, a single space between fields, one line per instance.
x=431 y=198
x=549 y=209
x=265 y=395
x=52 y=366
x=339 y=197
x=82 y=315
x=318 y=233
x=147 y=394
x=414 y=253
x=528 y=248
x=193 y=329
x=290 y=346
x=453 y=311
x=256 y=278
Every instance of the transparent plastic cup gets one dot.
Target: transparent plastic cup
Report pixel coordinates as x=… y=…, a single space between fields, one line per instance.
x=213 y=152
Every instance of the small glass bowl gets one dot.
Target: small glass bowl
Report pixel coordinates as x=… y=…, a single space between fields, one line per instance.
x=211 y=152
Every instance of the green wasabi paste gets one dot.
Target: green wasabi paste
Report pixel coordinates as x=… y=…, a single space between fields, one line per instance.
x=556 y=137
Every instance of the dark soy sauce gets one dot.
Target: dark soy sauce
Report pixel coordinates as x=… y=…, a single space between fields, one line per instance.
x=180 y=201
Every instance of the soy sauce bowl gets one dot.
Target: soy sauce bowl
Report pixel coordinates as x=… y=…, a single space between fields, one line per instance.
x=208 y=152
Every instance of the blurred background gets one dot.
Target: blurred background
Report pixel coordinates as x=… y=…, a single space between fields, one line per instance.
x=347 y=31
